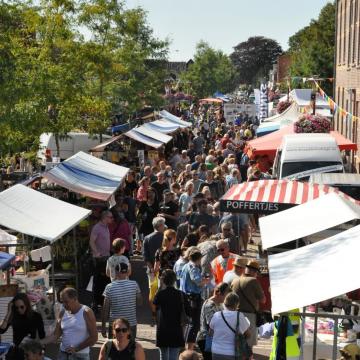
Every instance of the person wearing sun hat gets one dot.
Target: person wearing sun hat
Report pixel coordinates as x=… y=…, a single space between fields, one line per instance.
x=251 y=295
x=238 y=269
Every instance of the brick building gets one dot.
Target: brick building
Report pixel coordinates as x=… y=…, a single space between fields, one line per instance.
x=347 y=69
x=283 y=67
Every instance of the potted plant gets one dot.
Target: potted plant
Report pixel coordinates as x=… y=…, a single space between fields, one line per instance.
x=312 y=124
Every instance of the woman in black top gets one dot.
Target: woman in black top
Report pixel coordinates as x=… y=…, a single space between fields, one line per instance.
x=122 y=347
x=169 y=331
x=24 y=321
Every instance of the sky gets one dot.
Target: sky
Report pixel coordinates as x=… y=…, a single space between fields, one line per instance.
x=225 y=23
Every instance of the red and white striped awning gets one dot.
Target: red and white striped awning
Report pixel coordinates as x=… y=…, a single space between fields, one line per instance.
x=270 y=196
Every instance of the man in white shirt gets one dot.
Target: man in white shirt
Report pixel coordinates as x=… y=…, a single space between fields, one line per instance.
x=239 y=266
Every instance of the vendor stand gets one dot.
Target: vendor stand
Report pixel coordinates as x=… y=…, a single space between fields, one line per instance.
x=314 y=273
x=41 y=217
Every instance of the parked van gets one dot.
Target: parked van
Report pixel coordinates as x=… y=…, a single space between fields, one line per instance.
x=347 y=183
x=301 y=155
x=70 y=145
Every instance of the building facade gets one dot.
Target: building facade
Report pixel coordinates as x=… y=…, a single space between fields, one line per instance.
x=347 y=69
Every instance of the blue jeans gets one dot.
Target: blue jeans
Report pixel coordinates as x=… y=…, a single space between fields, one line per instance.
x=169 y=353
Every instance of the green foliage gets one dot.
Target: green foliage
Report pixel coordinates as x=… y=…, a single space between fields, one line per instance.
x=254 y=57
x=211 y=71
x=53 y=80
x=312 y=48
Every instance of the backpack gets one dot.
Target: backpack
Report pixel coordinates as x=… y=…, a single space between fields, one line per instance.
x=131 y=347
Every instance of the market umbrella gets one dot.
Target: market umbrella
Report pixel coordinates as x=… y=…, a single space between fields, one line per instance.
x=271 y=196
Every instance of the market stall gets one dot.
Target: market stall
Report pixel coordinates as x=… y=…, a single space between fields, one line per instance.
x=268 y=144
x=39 y=217
x=88 y=175
x=339 y=210
x=313 y=274
x=271 y=196
x=164 y=126
x=174 y=119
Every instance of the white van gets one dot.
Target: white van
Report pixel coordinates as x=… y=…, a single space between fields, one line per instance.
x=73 y=143
x=301 y=155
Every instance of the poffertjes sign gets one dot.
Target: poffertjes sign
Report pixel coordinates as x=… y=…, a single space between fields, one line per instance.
x=252 y=207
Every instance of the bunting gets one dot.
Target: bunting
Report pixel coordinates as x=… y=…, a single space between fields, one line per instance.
x=332 y=104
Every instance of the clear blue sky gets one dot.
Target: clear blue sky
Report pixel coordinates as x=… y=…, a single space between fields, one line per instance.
x=225 y=23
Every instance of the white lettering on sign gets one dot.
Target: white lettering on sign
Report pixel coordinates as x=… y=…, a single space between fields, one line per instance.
x=250 y=205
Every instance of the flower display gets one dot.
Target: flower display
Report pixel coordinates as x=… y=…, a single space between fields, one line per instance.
x=282 y=106
x=312 y=124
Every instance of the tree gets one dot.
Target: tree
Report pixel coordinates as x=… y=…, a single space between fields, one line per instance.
x=254 y=57
x=312 y=48
x=211 y=71
x=119 y=78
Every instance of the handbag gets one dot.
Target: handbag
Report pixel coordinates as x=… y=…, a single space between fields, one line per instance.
x=260 y=318
x=242 y=348
x=208 y=343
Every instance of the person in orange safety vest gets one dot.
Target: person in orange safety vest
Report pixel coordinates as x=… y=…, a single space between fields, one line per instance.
x=223 y=262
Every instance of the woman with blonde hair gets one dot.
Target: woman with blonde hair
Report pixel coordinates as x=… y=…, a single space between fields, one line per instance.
x=167 y=255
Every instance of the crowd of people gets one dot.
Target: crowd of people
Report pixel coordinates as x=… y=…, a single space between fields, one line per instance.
x=203 y=287
x=202 y=280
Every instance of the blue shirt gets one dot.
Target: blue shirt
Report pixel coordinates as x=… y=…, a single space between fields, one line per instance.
x=190 y=280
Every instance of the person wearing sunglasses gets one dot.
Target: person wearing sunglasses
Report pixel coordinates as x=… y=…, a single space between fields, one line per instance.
x=223 y=262
x=122 y=346
x=24 y=322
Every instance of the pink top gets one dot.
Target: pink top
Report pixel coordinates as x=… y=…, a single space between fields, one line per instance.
x=121 y=230
x=142 y=193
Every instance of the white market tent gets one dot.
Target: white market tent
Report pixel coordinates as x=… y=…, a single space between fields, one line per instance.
x=315 y=272
x=8 y=239
x=132 y=134
x=174 y=119
x=33 y=213
x=156 y=135
x=320 y=214
x=88 y=175
x=101 y=147
x=286 y=117
x=164 y=126
x=302 y=97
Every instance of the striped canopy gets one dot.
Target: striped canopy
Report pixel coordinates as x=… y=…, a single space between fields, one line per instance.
x=271 y=196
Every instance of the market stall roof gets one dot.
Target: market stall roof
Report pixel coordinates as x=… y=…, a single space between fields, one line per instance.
x=132 y=134
x=156 y=135
x=101 y=147
x=315 y=272
x=164 y=126
x=335 y=178
x=174 y=119
x=267 y=128
x=314 y=216
x=288 y=116
x=88 y=175
x=268 y=144
x=272 y=196
x=33 y=213
x=120 y=128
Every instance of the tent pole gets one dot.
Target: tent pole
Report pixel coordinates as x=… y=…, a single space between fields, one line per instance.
x=53 y=276
x=303 y=320
x=336 y=323
x=315 y=332
x=76 y=260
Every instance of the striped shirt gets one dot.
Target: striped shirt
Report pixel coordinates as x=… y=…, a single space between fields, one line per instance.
x=122 y=297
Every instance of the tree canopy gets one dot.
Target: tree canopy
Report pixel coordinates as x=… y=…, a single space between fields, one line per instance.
x=55 y=80
x=211 y=71
x=254 y=57
x=312 y=48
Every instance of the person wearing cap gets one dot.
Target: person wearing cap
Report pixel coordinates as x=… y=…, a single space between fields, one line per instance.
x=191 y=283
x=251 y=295
x=169 y=210
x=239 y=266
x=120 y=299
x=223 y=262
